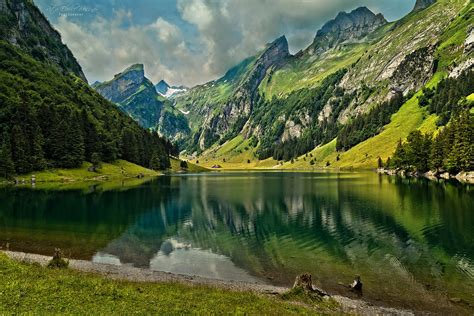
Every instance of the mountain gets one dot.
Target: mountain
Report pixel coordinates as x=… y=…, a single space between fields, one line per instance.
x=167 y=91
x=218 y=109
x=346 y=27
x=49 y=116
x=423 y=4
x=162 y=87
x=348 y=97
x=23 y=25
x=136 y=95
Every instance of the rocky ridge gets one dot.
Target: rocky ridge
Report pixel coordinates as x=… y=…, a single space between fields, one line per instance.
x=124 y=84
x=346 y=27
x=423 y=4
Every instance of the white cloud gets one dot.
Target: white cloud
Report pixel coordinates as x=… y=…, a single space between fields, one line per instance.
x=104 y=48
x=227 y=31
x=166 y=30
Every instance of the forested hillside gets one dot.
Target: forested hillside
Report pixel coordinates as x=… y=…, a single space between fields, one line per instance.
x=48 y=119
x=22 y=24
x=452 y=149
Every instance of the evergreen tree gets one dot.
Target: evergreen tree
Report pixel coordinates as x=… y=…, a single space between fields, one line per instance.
x=37 y=159
x=379 y=162
x=20 y=150
x=129 y=146
x=437 y=152
x=95 y=160
x=7 y=167
x=155 y=162
x=461 y=156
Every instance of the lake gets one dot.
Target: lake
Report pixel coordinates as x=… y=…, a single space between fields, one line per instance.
x=410 y=240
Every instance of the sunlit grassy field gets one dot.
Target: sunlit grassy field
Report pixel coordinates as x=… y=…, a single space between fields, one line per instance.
x=28 y=288
x=108 y=171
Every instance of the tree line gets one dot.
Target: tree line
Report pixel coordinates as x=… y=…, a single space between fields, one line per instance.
x=51 y=120
x=444 y=99
x=451 y=150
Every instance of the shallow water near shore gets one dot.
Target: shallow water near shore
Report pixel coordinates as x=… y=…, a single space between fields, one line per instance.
x=411 y=240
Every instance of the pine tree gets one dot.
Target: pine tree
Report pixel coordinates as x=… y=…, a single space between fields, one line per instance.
x=461 y=156
x=379 y=162
x=399 y=158
x=7 y=167
x=155 y=162
x=20 y=150
x=437 y=152
x=96 y=161
x=129 y=146
x=37 y=154
x=183 y=164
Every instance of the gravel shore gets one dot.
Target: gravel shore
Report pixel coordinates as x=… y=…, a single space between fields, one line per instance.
x=144 y=275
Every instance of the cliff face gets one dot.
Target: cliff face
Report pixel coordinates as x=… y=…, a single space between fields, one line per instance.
x=136 y=95
x=423 y=4
x=23 y=25
x=347 y=27
x=235 y=111
x=123 y=85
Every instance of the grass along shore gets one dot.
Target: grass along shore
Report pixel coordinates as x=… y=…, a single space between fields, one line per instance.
x=32 y=288
x=26 y=285
x=108 y=172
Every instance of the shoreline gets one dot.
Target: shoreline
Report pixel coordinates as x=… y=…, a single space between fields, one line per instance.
x=466 y=177
x=129 y=273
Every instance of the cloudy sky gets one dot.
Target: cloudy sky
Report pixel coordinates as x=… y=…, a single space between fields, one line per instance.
x=190 y=41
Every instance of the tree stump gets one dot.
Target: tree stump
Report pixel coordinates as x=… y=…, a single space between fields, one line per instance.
x=58 y=261
x=305 y=282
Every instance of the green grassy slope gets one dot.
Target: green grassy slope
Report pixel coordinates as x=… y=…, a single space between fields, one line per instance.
x=192 y=167
x=308 y=72
x=119 y=169
x=236 y=153
x=29 y=288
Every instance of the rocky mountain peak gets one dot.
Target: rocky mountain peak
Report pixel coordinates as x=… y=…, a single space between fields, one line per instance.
x=347 y=27
x=162 y=87
x=124 y=84
x=423 y=4
x=135 y=72
x=274 y=52
x=278 y=46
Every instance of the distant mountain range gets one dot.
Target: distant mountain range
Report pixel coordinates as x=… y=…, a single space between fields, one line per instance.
x=346 y=100
x=281 y=106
